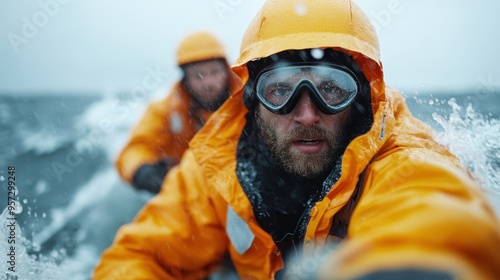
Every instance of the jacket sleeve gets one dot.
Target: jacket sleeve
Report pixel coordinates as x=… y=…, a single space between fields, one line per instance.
x=419 y=214
x=177 y=235
x=149 y=142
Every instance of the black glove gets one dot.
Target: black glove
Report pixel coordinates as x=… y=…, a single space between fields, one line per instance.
x=150 y=176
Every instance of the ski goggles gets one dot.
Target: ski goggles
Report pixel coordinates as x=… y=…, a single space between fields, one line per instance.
x=332 y=88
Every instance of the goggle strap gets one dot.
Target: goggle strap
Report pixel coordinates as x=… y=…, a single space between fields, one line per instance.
x=248 y=96
x=360 y=107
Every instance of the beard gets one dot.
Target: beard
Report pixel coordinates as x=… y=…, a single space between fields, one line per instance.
x=300 y=164
x=211 y=105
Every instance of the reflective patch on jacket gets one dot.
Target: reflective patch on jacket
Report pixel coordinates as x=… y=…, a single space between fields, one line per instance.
x=382 y=128
x=238 y=231
x=176 y=123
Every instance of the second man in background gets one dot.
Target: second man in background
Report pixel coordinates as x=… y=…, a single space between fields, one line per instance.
x=161 y=137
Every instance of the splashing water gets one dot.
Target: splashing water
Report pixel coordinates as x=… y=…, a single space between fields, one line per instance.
x=16 y=262
x=30 y=261
x=474 y=139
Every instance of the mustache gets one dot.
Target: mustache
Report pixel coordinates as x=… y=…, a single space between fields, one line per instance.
x=307 y=133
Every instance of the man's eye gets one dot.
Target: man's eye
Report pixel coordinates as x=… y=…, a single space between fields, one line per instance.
x=279 y=89
x=333 y=94
x=330 y=88
x=277 y=93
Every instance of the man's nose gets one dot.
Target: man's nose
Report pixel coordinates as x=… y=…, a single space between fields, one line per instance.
x=210 y=81
x=305 y=111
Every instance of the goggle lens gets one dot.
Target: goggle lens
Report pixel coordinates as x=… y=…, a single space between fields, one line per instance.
x=335 y=89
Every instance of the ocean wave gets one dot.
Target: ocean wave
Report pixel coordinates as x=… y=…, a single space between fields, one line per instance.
x=107 y=123
x=5 y=114
x=118 y=112
x=70 y=244
x=473 y=137
x=89 y=194
x=44 y=141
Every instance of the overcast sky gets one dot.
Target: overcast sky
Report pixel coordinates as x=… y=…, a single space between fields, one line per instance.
x=110 y=45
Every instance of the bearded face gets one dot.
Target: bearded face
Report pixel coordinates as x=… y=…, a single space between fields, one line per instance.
x=207 y=83
x=305 y=142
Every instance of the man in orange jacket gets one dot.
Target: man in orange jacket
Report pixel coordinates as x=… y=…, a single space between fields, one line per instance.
x=314 y=150
x=161 y=137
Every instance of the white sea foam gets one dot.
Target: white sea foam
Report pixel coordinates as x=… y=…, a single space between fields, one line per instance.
x=474 y=139
x=43 y=141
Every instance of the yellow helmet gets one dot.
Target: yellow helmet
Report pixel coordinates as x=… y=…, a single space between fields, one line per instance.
x=198 y=47
x=305 y=24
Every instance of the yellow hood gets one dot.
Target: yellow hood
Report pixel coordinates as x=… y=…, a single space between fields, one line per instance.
x=296 y=24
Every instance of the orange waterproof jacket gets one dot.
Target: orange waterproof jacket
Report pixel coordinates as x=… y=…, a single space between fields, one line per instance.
x=417 y=207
